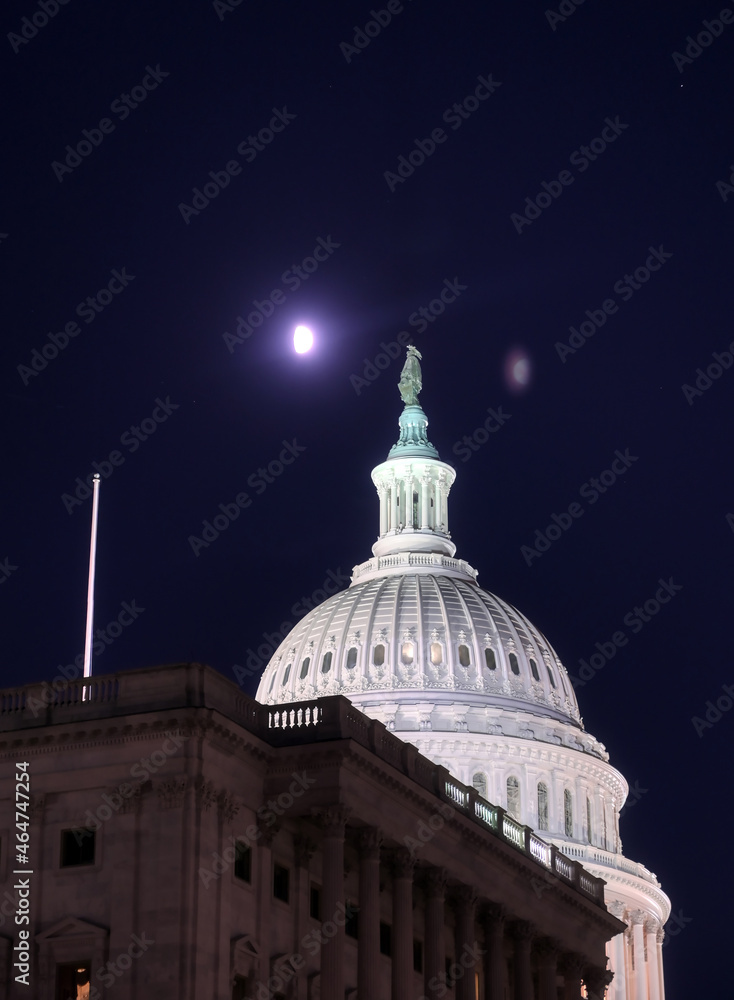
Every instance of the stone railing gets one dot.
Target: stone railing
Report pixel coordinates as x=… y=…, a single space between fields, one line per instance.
x=403 y=560
x=194 y=686
x=588 y=854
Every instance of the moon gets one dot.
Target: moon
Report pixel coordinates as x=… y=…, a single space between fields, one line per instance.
x=302 y=339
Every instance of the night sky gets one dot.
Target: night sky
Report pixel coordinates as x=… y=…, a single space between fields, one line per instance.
x=272 y=162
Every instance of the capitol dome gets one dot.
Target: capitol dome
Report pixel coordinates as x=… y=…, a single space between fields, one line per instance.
x=416 y=644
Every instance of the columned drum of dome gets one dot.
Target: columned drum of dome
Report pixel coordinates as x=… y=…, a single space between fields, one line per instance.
x=415 y=643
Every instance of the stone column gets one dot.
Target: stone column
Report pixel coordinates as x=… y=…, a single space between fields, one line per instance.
x=573 y=967
x=403 y=863
x=333 y=821
x=522 y=933
x=653 y=976
x=435 y=943
x=425 y=503
x=617 y=955
x=596 y=981
x=264 y=856
x=383 y=495
x=304 y=851
x=493 y=921
x=368 y=958
x=408 y=501
x=466 y=944
x=547 y=953
x=659 y=953
x=638 y=936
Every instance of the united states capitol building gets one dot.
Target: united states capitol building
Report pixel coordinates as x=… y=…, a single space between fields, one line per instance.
x=410 y=808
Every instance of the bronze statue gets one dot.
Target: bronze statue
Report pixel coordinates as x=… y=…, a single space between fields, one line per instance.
x=410 y=378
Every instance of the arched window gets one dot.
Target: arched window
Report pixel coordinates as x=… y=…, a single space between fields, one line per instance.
x=406 y=652
x=550 y=674
x=514 y=666
x=352 y=658
x=326 y=663
x=479 y=781
x=489 y=659
x=304 y=667
x=513 y=797
x=464 y=658
x=588 y=819
x=542 y=806
x=567 y=812
x=378 y=655
x=536 y=675
x=436 y=653
x=286 y=675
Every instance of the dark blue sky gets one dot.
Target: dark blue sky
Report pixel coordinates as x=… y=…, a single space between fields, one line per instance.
x=295 y=139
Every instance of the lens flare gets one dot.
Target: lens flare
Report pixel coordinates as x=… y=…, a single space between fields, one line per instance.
x=302 y=339
x=518 y=370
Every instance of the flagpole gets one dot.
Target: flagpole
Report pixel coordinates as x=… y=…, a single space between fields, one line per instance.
x=90 y=587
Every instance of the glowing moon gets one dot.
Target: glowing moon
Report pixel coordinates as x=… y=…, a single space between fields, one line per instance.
x=518 y=370
x=302 y=339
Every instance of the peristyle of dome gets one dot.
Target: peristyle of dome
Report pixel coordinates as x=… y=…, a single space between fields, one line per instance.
x=465 y=677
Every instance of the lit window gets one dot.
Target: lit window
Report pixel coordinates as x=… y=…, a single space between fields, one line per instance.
x=378 y=655
x=406 y=653
x=281 y=883
x=436 y=652
x=304 y=667
x=326 y=663
x=513 y=797
x=534 y=669
x=464 y=658
x=568 y=813
x=542 y=806
x=514 y=666
x=286 y=675
x=550 y=674
x=479 y=781
x=77 y=847
x=352 y=658
x=490 y=659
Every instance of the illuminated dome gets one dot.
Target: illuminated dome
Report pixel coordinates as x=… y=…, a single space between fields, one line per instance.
x=468 y=680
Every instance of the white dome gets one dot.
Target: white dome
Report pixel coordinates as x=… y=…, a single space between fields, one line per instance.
x=428 y=635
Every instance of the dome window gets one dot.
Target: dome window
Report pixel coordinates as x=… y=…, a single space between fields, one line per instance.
x=513 y=797
x=352 y=658
x=490 y=659
x=464 y=657
x=378 y=655
x=542 y=804
x=286 y=675
x=326 y=663
x=479 y=781
x=272 y=681
x=550 y=674
x=536 y=676
x=436 y=653
x=514 y=666
x=568 y=812
x=406 y=653
x=304 y=667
